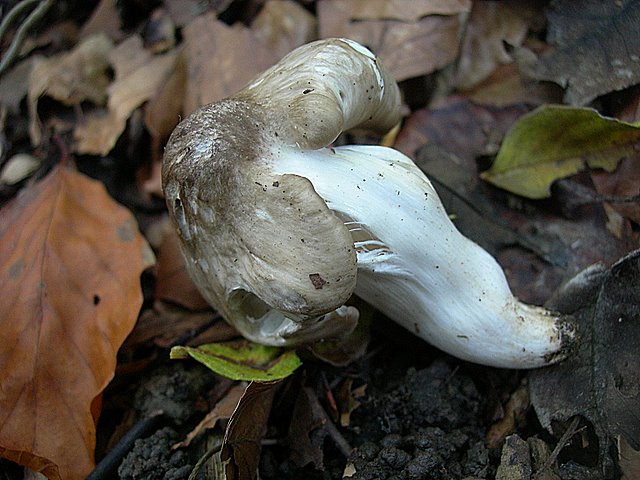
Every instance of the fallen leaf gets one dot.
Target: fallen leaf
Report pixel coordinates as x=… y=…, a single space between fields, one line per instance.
x=223 y=410
x=506 y=86
x=283 y=25
x=14 y=85
x=242 y=360
x=347 y=400
x=162 y=112
x=557 y=141
x=306 y=435
x=411 y=38
x=70 y=260
x=629 y=460
x=514 y=412
x=71 y=78
x=159 y=32
x=601 y=381
x=104 y=19
x=460 y=127
x=246 y=429
x=139 y=76
x=173 y=283
x=184 y=11
x=214 y=69
x=597 y=45
x=491 y=25
x=621 y=183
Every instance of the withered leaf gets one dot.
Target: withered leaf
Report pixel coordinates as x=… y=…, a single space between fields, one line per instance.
x=214 y=70
x=597 y=45
x=70 y=263
x=491 y=25
x=410 y=38
x=284 y=25
x=601 y=381
x=223 y=410
x=246 y=428
x=173 y=283
x=305 y=436
x=70 y=78
x=139 y=76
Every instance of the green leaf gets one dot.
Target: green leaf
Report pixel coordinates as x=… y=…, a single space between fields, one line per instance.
x=242 y=360
x=556 y=141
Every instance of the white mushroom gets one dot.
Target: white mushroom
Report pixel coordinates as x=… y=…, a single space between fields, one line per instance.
x=278 y=230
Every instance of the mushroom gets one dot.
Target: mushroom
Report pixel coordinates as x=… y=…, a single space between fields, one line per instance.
x=278 y=229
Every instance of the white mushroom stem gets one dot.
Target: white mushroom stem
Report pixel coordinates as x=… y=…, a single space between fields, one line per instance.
x=278 y=231
x=416 y=267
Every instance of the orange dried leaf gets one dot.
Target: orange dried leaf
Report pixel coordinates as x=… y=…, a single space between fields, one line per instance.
x=411 y=38
x=70 y=264
x=214 y=70
x=173 y=282
x=222 y=411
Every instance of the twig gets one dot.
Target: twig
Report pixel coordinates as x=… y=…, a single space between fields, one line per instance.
x=566 y=436
x=13 y=14
x=210 y=453
x=109 y=464
x=21 y=34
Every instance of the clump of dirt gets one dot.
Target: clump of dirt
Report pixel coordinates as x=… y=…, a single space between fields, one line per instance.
x=153 y=459
x=427 y=427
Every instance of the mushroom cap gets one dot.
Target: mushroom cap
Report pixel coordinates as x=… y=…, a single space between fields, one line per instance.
x=264 y=249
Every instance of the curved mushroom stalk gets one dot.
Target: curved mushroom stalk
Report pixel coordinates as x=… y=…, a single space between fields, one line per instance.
x=278 y=231
x=417 y=268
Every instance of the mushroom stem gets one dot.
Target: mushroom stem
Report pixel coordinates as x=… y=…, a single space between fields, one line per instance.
x=418 y=269
x=278 y=231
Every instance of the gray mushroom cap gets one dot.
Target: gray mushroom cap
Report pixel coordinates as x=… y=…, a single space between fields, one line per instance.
x=264 y=249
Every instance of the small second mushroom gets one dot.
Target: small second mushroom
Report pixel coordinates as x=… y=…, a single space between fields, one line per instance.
x=278 y=229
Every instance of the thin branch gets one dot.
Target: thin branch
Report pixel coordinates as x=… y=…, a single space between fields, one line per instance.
x=21 y=34
x=566 y=436
x=13 y=14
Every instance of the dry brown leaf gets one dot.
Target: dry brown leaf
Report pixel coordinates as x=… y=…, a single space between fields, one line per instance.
x=14 y=84
x=419 y=37
x=596 y=48
x=404 y=10
x=70 y=77
x=173 y=283
x=514 y=412
x=347 y=400
x=629 y=459
x=623 y=182
x=246 y=429
x=184 y=11
x=506 y=86
x=139 y=76
x=220 y=60
x=491 y=25
x=223 y=410
x=162 y=112
x=283 y=25
x=460 y=127
x=104 y=19
x=70 y=260
x=165 y=324
x=305 y=436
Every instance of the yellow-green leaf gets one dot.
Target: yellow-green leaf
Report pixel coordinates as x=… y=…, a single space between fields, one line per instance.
x=242 y=360
x=556 y=141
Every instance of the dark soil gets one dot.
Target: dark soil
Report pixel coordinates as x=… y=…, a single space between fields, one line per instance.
x=425 y=416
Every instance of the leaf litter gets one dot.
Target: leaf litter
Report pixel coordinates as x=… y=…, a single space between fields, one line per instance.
x=113 y=92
